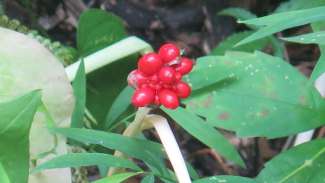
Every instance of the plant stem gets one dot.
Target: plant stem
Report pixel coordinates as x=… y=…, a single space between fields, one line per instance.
x=171 y=147
x=132 y=130
x=121 y=49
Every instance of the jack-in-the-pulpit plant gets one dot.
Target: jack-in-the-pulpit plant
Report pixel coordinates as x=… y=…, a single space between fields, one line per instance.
x=76 y=108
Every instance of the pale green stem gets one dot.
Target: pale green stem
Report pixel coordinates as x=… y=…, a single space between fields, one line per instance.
x=132 y=130
x=121 y=49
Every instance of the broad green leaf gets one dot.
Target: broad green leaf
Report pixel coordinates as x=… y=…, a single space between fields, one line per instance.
x=117 y=178
x=120 y=104
x=3 y=175
x=205 y=133
x=229 y=44
x=26 y=65
x=86 y=159
x=225 y=179
x=281 y=21
x=16 y=120
x=79 y=90
x=104 y=85
x=254 y=99
x=148 y=179
x=304 y=163
x=98 y=29
x=145 y=150
x=311 y=38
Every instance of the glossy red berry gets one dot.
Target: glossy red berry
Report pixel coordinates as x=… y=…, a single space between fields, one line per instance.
x=150 y=63
x=185 y=66
x=136 y=78
x=168 y=52
x=157 y=101
x=182 y=89
x=168 y=99
x=167 y=75
x=178 y=76
x=143 y=97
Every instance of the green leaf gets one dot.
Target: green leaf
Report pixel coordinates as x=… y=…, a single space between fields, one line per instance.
x=16 y=120
x=120 y=104
x=254 y=99
x=98 y=29
x=193 y=174
x=3 y=175
x=85 y=159
x=79 y=91
x=148 y=179
x=281 y=21
x=205 y=133
x=101 y=92
x=17 y=62
x=117 y=178
x=229 y=44
x=239 y=14
x=145 y=150
x=225 y=179
x=304 y=163
x=311 y=38
x=298 y=4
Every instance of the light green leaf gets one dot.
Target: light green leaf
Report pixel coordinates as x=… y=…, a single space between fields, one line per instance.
x=205 y=133
x=311 y=38
x=86 y=159
x=239 y=14
x=148 y=179
x=98 y=29
x=117 y=178
x=229 y=44
x=120 y=104
x=19 y=57
x=79 y=90
x=281 y=21
x=225 y=179
x=254 y=99
x=304 y=163
x=145 y=150
x=16 y=120
x=3 y=175
x=298 y=4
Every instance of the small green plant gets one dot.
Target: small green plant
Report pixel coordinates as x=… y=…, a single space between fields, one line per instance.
x=236 y=88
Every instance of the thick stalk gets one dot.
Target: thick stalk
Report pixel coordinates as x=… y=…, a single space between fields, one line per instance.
x=121 y=49
x=171 y=147
x=132 y=130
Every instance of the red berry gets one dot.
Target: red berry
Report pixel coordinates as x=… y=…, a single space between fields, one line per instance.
x=150 y=63
x=154 y=78
x=178 y=76
x=182 y=89
x=136 y=78
x=168 y=99
x=167 y=75
x=185 y=66
x=143 y=97
x=168 y=52
x=157 y=102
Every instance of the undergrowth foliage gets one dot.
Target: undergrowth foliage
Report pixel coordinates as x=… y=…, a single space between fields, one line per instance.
x=237 y=87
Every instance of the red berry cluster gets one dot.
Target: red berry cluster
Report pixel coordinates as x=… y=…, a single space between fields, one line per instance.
x=158 y=79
